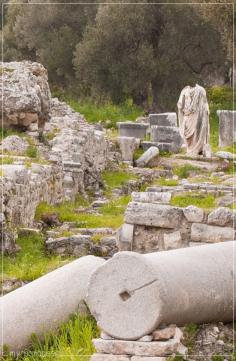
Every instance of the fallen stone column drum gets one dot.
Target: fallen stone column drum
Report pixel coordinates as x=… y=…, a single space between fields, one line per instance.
x=132 y=294
x=42 y=305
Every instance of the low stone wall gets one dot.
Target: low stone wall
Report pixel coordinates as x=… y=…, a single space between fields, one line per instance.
x=23 y=188
x=151 y=224
x=81 y=148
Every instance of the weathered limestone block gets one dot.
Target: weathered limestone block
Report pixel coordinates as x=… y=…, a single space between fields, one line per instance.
x=165 y=119
x=149 y=158
x=192 y=284
x=227 y=127
x=151 y=197
x=131 y=129
x=165 y=333
x=109 y=357
x=42 y=305
x=221 y=216
x=157 y=215
x=194 y=214
x=163 y=134
x=137 y=348
x=173 y=240
x=211 y=234
x=76 y=245
x=14 y=144
x=26 y=94
x=124 y=237
x=127 y=146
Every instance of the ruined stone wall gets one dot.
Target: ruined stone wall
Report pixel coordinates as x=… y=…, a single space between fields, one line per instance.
x=24 y=188
x=152 y=224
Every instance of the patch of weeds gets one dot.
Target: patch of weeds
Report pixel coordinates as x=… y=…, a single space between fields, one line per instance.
x=190 y=333
x=96 y=238
x=6 y=132
x=7 y=160
x=138 y=153
x=195 y=199
x=49 y=136
x=72 y=341
x=110 y=215
x=230 y=169
x=166 y=182
x=217 y=358
x=31 y=151
x=165 y=154
x=109 y=114
x=31 y=261
x=1 y=172
x=115 y=179
x=185 y=170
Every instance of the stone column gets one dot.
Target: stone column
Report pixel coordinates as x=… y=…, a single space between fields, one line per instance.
x=132 y=294
x=42 y=305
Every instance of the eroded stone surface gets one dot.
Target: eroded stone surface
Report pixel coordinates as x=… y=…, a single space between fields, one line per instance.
x=164 y=333
x=211 y=234
x=151 y=197
x=221 y=216
x=127 y=146
x=194 y=214
x=165 y=119
x=124 y=237
x=227 y=126
x=26 y=97
x=15 y=144
x=137 y=348
x=149 y=214
x=148 y=158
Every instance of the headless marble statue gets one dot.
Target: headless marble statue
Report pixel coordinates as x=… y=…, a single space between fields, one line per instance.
x=193 y=113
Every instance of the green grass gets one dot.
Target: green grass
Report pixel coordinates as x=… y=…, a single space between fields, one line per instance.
x=197 y=199
x=190 y=333
x=6 y=132
x=186 y=170
x=72 y=342
x=6 y=160
x=110 y=215
x=138 y=153
x=107 y=113
x=166 y=182
x=31 y=151
x=219 y=97
x=115 y=179
x=31 y=261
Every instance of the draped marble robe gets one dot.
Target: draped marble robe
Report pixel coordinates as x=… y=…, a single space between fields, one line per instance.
x=193 y=114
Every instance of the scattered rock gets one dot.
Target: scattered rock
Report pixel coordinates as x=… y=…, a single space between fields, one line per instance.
x=164 y=333
x=50 y=219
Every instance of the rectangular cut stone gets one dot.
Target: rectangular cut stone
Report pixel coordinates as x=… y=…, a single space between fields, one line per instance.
x=124 y=237
x=211 y=234
x=157 y=215
x=227 y=127
x=151 y=197
x=166 y=119
x=131 y=129
x=136 y=348
x=170 y=135
x=109 y=357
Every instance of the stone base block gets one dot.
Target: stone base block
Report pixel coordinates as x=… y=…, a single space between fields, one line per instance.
x=131 y=129
x=211 y=234
x=109 y=357
x=165 y=119
x=137 y=348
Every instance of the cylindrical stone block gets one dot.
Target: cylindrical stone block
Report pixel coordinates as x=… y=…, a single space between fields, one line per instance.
x=42 y=305
x=132 y=294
